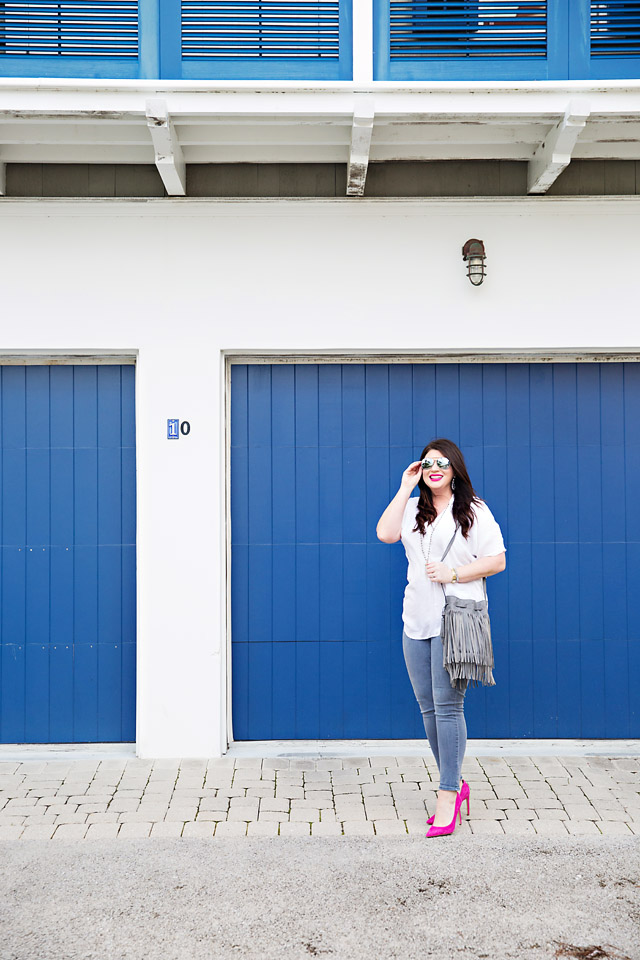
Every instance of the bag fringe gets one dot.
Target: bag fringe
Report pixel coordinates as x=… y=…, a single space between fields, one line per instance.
x=466 y=641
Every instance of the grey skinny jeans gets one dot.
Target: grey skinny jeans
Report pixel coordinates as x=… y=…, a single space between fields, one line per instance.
x=441 y=706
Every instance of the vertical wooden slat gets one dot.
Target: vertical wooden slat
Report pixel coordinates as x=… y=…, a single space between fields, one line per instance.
x=307 y=698
x=284 y=693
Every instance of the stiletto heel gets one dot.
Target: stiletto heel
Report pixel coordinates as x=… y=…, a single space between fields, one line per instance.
x=464 y=795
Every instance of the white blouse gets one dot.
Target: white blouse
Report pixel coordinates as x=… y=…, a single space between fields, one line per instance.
x=424 y=599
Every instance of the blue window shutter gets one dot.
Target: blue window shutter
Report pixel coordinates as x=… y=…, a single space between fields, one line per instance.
x=260 y=29
x=470 y=39
x=614 y=39
x=70 y=38
x=455 y=29
x=69 y=28
x=270 y=39
x=604 y=39
x=615 y=29
x=181 y=39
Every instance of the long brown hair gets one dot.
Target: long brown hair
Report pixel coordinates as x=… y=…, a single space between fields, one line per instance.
x=465 y=495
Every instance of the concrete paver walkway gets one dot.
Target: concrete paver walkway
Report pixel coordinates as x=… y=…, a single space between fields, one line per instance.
x=549 y=796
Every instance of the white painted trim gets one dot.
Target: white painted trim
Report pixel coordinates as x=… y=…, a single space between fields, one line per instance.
x=3 y=178
x=226 y=628
x=361 y=131
x=168 y=152
x=53 y=358
x=43 y=84
x=21 y=752
x=237 y=207
x=554 y=153
x=552 y=747
x=596 y=355
x=362 y=14
x=26 y=752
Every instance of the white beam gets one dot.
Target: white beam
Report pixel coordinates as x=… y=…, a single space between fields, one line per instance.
x=478 y=101
x=169 y=159
x=3 y=179
x=554 y=153
x=361 y=131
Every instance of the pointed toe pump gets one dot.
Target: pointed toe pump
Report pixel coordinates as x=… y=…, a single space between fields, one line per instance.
x=464 y=795
x=450 y=827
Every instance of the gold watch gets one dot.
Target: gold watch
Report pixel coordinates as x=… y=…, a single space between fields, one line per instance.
x=455 y=575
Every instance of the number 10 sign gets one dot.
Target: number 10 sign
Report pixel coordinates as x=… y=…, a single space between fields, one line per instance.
x=177 y=427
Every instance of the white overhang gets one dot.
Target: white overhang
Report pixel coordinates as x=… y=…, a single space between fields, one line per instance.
x=73 y=121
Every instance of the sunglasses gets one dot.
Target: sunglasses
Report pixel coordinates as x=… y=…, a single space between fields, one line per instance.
x=442 y=462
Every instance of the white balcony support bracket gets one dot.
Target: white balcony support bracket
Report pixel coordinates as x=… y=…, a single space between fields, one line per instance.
x=554 y=153
x=3 y=179
x=361 y=130
x=169 y=159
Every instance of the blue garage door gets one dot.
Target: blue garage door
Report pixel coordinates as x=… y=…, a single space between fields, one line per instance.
x=318 y=452
x=67 y=670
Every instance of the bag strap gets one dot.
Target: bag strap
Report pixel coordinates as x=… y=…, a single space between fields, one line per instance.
x=450 y=544
x=484 y=579
x=445 y=553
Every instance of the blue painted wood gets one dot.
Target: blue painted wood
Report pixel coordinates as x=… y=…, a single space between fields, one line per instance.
x=456 y=40
x=67 y=526
x=246 y=40
x=87 y=38
x=413 y=40
x=170 y=39
x=316 y=454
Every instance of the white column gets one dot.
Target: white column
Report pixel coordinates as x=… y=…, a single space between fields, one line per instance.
x=363 y=41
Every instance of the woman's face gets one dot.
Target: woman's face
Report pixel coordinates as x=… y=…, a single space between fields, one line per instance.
x=435 y=477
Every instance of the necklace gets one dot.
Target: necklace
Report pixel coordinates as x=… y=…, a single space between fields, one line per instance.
x=433 y=528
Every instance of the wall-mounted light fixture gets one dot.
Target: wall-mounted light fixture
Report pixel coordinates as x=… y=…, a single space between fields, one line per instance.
x=473 y=253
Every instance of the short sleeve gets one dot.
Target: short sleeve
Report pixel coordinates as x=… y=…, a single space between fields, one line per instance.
x=489 y=541
x=409 y=514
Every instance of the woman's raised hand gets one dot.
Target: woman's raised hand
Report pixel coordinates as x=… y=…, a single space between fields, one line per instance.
x=411 y=475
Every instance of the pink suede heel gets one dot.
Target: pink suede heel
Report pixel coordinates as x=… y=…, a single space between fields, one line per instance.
x=464 y=795
x=450 y=827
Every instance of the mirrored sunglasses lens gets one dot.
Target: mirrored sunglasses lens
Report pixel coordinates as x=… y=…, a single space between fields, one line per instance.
x=443 y=463
x=427 y=463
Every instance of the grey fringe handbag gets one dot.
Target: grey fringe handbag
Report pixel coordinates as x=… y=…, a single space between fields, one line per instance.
x=467 y=651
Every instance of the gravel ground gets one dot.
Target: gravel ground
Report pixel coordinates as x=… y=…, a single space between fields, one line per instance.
x=294 y=898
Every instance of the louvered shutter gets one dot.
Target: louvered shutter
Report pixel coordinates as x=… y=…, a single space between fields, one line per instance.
x=454 y=29
x=260 y=29
x=71 y=28
x=615 y=29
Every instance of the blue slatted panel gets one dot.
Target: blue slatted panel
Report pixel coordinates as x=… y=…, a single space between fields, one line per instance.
x=615 y=28
x=178 y=39
x=470 y=39
x=75 y=38
x=268 y=39
x=453 y=29
x=317 y=599
x=506 y=39
x=67 y=534
x=261 y=29
x=69 y=28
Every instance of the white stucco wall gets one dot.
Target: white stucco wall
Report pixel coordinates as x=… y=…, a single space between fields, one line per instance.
x=178 y=282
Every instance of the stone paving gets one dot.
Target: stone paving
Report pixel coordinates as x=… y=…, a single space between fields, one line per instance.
x=355 y=796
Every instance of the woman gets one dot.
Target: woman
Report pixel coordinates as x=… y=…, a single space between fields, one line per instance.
x=426 y=524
